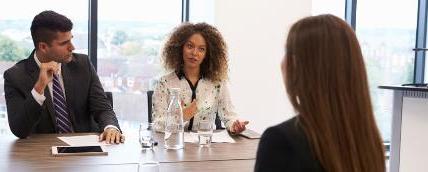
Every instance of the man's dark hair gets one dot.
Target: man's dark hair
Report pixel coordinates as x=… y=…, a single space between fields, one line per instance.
x=46 y=24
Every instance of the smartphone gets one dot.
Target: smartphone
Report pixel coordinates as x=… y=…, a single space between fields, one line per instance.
x=78 y=150
x=250 y=134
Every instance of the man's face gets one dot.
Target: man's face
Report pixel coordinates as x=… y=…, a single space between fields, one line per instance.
x=61 y=48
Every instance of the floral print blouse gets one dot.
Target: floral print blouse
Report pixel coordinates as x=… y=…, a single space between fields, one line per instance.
x=210 y=98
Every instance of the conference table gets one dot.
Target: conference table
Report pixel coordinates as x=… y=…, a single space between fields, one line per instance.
x=34 y=154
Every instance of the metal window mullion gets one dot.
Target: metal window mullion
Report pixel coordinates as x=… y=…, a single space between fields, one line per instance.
x=351 y=12
x=185 y=10
x=421 y=32
x=93 y=31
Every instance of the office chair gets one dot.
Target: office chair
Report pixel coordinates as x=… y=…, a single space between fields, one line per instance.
x=149 y=105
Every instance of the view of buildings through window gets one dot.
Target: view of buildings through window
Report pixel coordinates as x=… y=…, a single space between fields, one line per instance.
x=130 y=39
x=387 y=40
x=129 y=44
x=15 y=37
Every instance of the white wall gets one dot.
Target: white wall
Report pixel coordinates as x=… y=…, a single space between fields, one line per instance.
x=255 y=32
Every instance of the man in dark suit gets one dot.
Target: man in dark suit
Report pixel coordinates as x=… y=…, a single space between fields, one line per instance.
x=55 y=90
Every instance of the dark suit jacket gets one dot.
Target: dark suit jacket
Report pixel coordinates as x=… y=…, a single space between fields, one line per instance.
x=284 y=148
x=88 y=105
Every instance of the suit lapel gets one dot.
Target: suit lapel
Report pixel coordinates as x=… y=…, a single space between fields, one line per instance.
x=49 y=106
x=33 y=70
x=66 y=71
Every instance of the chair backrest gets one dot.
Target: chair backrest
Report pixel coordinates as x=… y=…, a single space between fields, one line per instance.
x=149 y=105
x=110 y=97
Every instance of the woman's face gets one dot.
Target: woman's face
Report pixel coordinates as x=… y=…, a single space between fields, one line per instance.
x=194 y=51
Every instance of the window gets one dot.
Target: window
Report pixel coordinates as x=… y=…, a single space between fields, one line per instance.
x=129 y=44
x=335 y=7
x=15 y=37
x=202 y=11
x=426 y=61
x=426 y=67
x=387 y=39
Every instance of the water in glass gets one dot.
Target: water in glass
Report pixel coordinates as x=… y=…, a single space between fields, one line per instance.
x=174 y=129
x=205 y=133
x=145 y=136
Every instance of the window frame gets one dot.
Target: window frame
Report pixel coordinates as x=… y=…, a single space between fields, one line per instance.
x=93 y=27
x=421 y=35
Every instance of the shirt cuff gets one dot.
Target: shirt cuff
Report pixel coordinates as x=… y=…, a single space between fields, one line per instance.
x=111 y=126
x=40 y=98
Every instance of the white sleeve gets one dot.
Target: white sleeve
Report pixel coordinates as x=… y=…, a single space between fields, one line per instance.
x=111 y=126
x=160 y=105
x=225 y=107
x=38 y=97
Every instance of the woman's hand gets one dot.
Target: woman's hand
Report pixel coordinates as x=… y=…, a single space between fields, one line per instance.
x=238 y=126
x=189 y=111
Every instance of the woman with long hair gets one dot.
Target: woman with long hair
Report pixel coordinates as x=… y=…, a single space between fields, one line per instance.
x=325 y=78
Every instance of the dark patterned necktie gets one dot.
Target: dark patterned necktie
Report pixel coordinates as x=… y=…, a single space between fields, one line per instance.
x=63 y=121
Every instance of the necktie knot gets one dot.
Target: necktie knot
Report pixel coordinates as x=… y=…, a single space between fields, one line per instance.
x=55 y=76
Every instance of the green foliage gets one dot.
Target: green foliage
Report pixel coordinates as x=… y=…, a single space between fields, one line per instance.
x=119 y=38
x=10 y=51
x=151 y=51
x=131 y=49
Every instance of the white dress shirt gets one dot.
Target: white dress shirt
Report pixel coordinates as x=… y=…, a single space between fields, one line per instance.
x=211 y=98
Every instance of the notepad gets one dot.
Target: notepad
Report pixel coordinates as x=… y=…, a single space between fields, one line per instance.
x=218 y=137
x=87 y=140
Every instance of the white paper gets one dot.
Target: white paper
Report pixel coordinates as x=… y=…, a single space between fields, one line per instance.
x=218 y=137
x=222 y=137
x=88 y=140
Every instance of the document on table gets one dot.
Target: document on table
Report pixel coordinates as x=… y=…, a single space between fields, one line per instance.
x=218 y=137
x=87 y=140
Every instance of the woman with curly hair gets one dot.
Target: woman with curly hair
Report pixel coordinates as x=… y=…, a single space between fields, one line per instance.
x=196 y=56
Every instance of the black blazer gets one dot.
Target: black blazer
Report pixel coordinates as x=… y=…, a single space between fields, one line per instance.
x=284 y=148
x=88 y=105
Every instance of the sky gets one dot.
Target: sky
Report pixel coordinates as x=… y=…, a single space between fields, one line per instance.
x=374 y=13
x=77 y=10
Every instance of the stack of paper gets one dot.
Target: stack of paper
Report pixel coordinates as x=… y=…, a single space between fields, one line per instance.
x=88 y=140
x=218 y=137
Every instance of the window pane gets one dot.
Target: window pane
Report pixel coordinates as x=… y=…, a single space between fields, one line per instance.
x=387 y=39
x=335 y=7
x=130 y=38
x=202 y=11
x=426 y=62
x=15 y=36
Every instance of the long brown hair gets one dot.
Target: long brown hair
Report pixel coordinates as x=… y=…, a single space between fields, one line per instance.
x=215 y=65
x=326 y=81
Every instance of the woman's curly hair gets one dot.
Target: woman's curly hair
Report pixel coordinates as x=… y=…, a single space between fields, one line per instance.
x=215 y=65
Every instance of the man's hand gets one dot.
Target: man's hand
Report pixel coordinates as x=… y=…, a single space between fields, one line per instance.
x=238 y=126
x=189 y=111
x=112 y=135
x=46 y=75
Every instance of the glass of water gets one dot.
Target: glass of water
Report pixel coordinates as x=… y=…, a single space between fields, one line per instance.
x=149 y=163
x=145 y=136
x=205 y=132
